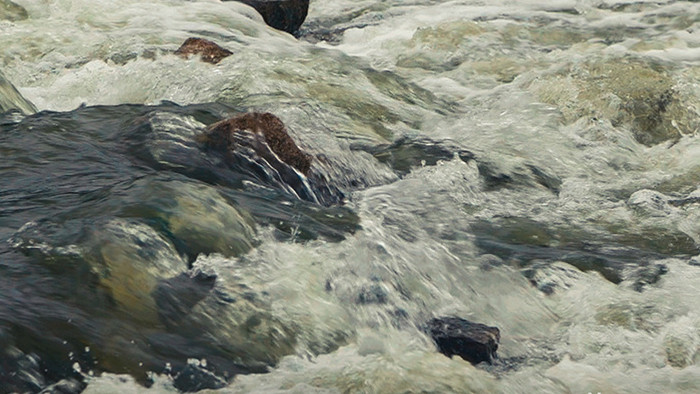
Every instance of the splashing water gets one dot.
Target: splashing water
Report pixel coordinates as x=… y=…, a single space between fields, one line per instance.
x=530 y=165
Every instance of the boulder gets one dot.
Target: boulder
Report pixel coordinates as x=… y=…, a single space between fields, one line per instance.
x=473 y=342
x=210 y=52
x=286 y=15
x=640 y=94
x=198 y=219
x=262 y=132
x=129 y=259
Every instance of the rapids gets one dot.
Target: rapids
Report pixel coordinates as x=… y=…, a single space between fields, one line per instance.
x=532 y=165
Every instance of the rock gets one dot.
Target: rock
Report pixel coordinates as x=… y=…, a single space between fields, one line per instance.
x=473 y=342
x=373 y=294
x=197 y=217
x=11 y=99
x=223 y=134
x=65 y=386
x=210 y=51
x=175 y=297
x=636 y=93
x=195 y=377
x=405 y=154
x=649 y=203
x=648 y=275
x=130 y=259
x=548 y=277
x=286 y=15
x=12 y=12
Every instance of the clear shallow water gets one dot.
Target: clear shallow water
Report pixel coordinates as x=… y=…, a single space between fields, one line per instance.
x=530 y=165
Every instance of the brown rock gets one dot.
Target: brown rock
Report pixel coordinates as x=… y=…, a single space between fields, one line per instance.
x=223 y=135
x=211 y=52
x=287 y=15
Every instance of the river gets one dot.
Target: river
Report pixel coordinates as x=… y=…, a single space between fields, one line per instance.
x=532 y=165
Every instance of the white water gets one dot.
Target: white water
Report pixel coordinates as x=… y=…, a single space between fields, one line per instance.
x=521 y=84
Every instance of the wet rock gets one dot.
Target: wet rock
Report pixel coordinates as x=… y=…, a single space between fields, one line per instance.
x=195 y=377
x=19 y=372
x=640 y=94
x=196 y=216
x=258 y=145
x=10 y=11
x=373 y=294
x=175 y=297
x=649 y=203
x=209 y=51
x=695 y=261
x=549 y=277
x=404 y=154
x=473 y=342
x=130 y=259
x=226 y=135
x=11 y=99
x=65 y=386
x=286 y=15
x=607 y=267
x=646 y=276
x=500 y=175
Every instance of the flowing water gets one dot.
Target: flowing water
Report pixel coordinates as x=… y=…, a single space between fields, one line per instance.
x=532 y=165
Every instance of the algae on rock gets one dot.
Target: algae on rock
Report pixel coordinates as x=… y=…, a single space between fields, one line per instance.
x=640 y=94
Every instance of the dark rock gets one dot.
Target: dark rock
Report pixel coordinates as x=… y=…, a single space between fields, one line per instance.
x=647 y=275
x=227 y=135
x=373 y=294
x=286 y=15
x=194 y=378
x=175 y=297
x=210 y=52
x=405 y=154
x=523 y=175
x=473 y=342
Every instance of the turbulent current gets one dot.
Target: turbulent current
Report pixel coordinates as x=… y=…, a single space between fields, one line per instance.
x=531 y=165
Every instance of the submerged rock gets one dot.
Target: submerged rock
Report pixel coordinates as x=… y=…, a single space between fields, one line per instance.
x=196 y=216
x=10 y=11
x=640 y=94
x=405 y=154
x=238 y=323
x=209 y=51
x=195 y=377
x=548 y=277
x=286 y=15
x=473 y=342
x=129 y=259
x=645 y=276
x=65 y=386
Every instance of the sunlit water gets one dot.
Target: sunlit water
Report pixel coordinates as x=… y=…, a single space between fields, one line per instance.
x=532 y=165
